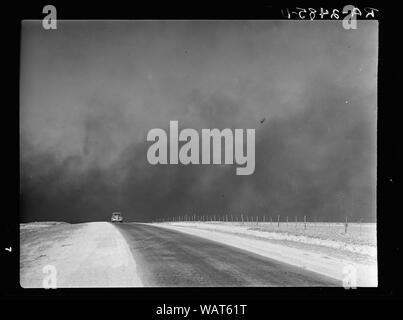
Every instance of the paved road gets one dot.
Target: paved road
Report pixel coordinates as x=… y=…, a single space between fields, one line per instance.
x=169 y=258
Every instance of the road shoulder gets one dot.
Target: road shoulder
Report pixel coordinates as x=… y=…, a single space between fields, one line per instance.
x=83 y=255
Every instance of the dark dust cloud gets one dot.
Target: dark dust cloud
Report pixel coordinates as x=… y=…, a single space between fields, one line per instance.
x=90 y=91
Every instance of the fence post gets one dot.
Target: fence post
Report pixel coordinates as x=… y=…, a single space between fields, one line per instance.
x=278 y=221
x=242 y=217
x=345 y=226
x=305 y=222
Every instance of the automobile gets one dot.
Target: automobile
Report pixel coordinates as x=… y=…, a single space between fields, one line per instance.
x=117 y=217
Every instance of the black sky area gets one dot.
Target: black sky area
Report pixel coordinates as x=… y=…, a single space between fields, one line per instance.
x=90 y=92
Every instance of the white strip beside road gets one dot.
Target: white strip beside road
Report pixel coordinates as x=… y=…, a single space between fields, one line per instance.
x=96 y=256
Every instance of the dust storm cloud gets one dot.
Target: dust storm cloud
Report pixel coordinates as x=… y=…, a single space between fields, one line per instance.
x=90 y=92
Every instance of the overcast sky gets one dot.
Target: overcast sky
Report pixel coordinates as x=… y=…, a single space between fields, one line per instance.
x=91 y=90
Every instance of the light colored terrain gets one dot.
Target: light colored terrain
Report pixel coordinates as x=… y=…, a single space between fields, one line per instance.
x=84 y=255
x=100 y=254
x=322 y=248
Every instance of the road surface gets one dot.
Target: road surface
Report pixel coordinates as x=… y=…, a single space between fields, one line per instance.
x=174 y=259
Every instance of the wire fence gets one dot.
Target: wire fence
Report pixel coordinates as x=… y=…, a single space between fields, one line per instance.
x=278 y=223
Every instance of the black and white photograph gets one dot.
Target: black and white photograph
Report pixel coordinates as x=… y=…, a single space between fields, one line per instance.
x=198 y=153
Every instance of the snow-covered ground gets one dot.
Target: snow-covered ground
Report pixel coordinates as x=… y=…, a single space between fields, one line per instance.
x=83 y=255
x=321 y=247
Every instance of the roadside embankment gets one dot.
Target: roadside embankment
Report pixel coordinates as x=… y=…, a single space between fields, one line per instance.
x=84 y=255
